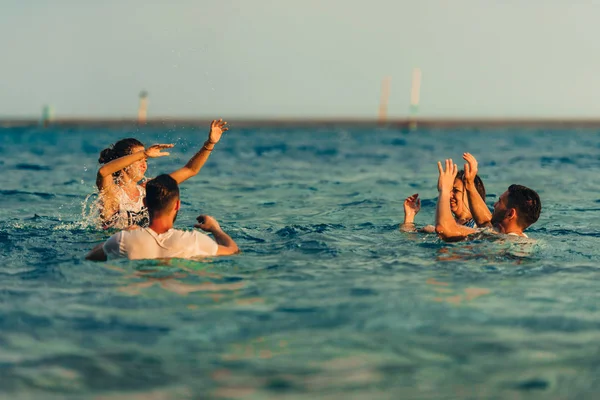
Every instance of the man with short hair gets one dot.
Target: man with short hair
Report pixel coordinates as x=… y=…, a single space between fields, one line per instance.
x=160 y=239
x=516 y=209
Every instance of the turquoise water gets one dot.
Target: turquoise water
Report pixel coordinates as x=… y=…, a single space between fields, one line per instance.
x=328 y=299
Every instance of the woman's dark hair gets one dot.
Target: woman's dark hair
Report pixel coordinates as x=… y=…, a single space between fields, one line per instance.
x=120 y=149
x=478 y=183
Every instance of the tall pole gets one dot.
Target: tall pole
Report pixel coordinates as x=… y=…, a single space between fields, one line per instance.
x=415 y=97
x=143 y=109
x=47 y=116
x=383 y=101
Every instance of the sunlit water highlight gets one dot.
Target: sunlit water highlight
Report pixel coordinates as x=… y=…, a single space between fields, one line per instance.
x=328 y=299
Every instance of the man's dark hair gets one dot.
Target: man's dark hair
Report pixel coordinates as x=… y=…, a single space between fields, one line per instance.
x=478 y=183
x=527 y=203
x=160 y=193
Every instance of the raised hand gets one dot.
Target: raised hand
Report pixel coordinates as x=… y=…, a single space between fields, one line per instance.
x=217 y=128
x=412 y=205
x=156 y=150
x=447 y=176
x=207 y=223
x=470 y=167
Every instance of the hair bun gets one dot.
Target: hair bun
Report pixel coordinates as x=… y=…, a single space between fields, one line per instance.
x=106 y=155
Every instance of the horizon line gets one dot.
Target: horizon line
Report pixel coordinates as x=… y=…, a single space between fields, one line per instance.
x=426 y=122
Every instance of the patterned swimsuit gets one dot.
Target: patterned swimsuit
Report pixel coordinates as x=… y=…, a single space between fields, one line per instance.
x=470 y=223
x=130 y=212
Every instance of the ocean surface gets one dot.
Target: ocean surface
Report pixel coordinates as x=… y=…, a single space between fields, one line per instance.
x=329 y=299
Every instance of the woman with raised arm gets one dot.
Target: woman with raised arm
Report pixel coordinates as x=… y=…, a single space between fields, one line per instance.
x=459 y=204
x=120 y=192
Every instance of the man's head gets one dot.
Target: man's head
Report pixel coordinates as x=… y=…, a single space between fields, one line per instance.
x=162 y=196
x=519 y=205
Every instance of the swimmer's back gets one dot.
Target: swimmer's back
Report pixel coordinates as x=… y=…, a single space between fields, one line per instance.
x=144 y=243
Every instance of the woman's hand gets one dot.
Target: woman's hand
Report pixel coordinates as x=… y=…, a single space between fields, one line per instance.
x=447 y=176
x=471 y=168
x=156 y=150
x=412 y=205
x=217 y=128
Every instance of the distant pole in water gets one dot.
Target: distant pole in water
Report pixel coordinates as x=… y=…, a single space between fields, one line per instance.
x=415 y=94
x=143 y=110
x=47 y=116
x=385 y=96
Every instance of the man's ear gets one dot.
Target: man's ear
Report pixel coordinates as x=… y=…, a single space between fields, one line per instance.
x=512 y=213
x=178 y=205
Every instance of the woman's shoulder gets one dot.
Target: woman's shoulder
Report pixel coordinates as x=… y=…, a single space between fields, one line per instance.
x=144 y=182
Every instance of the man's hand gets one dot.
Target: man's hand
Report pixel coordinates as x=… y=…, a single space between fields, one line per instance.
x=412 y=205
x=470 y=168
x=226 y=244
x=207 y=223
x=447 y=176
x=217 y=128
x=156 y=150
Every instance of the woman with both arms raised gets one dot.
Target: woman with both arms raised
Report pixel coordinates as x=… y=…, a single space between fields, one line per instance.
x=459 y=204
x=120 y=193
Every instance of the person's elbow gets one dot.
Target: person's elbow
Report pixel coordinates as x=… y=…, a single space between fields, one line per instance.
x=446 y=233
x=440 y=229
x=96 y=254
x=103 y=172
x=228 y=250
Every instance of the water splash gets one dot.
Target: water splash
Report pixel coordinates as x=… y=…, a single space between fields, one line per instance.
x=90 y=212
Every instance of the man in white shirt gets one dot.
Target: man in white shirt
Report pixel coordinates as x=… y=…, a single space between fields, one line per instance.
x=160 y=239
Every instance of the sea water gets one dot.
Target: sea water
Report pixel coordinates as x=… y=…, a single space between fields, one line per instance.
x=328 y=299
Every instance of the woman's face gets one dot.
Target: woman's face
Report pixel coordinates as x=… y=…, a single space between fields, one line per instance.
x=459 y=204
x=137 y=170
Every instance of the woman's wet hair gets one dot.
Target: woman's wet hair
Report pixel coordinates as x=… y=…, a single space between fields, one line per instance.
x=478 y=183
x=120 y=149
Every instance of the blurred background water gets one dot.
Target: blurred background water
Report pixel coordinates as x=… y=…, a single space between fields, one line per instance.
x=328 y=299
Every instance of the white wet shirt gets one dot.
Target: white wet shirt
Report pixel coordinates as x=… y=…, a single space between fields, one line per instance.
x=144 y=243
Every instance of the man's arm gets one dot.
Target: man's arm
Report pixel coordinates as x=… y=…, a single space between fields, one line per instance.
x=217 y=128
x=445 y=224
x=110 y=247
x=226 y=244
x=481 y=213
x=96 y=254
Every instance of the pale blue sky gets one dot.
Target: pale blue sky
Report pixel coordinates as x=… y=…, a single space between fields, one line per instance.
x=261 y=58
